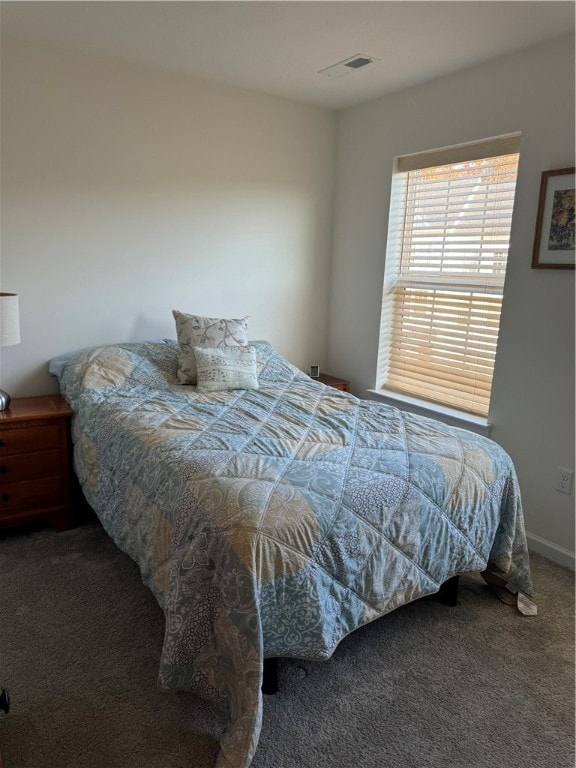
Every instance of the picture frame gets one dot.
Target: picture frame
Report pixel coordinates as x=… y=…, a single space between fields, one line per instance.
x=554 y=235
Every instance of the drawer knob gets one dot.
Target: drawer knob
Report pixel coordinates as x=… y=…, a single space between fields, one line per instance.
x=3 y=469
x=5 y=497
x=2 y=443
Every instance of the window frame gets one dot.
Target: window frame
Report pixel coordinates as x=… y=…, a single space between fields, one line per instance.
x=497 y=147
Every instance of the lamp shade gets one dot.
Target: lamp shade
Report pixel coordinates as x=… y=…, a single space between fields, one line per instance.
x=9 y=320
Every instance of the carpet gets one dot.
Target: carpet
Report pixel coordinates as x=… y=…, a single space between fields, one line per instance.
x=428 y=686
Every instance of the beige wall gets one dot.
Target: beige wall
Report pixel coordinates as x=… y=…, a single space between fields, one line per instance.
x=127 y=192
x=533 y=394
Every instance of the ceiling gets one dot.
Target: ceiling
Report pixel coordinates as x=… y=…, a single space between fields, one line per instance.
x=281 y=47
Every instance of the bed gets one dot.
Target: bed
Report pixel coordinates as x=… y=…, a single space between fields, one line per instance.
x=273 y=521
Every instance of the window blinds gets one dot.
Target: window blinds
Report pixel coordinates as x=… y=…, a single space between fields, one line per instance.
x=448 y=241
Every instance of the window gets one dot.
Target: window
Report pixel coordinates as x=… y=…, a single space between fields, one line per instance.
x=448 y=238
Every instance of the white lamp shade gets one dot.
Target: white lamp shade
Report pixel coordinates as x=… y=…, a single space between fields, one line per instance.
x=9 y=320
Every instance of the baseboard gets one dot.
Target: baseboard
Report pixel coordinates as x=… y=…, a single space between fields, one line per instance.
x=551 y=551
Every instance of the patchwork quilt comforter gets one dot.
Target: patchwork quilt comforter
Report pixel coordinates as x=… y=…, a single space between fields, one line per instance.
x=274 y=522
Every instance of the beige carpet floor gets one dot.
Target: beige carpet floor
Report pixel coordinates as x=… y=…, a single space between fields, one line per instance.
x=428 y=686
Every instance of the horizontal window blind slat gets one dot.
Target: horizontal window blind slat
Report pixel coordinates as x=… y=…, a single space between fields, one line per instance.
x=437 y=200
x=497 y=179
x=432 y=259
x=449 y=191
x=456 y=279
x=436 y=248
x=451 y=197
x=446 y=325
x=450 y=261
x=450 y=300
x=463 y=351
x=454 y=228
x=446 y=335
x=449 y=316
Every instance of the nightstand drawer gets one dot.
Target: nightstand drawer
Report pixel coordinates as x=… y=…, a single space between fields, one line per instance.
x=29 y=466
x=46 y=492
x=29 y=439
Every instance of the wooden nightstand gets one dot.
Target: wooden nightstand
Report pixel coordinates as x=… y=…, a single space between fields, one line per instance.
x=34 y=462
x=333 y=381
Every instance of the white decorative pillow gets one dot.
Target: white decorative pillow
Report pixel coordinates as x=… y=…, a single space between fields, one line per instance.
x=225 y=368
x=196 y=331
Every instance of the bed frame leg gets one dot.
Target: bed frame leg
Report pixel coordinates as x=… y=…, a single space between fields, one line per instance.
x=448 y=592
x=270 y=678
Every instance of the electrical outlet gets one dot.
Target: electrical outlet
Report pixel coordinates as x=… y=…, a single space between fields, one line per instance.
x=564 y=480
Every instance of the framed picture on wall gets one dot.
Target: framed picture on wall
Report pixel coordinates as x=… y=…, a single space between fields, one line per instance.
x=554 y=246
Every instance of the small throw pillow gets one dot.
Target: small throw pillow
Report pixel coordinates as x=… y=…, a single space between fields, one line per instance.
x=196 y=331
x=225 y=368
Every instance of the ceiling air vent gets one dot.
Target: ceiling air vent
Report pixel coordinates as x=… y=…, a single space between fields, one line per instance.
x=361 y=61
x=347 y=66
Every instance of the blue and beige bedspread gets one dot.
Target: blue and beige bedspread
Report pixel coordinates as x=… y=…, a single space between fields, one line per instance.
x=275 y=522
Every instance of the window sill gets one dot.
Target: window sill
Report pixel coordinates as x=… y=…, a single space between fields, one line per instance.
x=451 y=416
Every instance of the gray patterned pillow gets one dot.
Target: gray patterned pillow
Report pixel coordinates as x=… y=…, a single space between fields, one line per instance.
x=196 y=331
x=226 y=368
